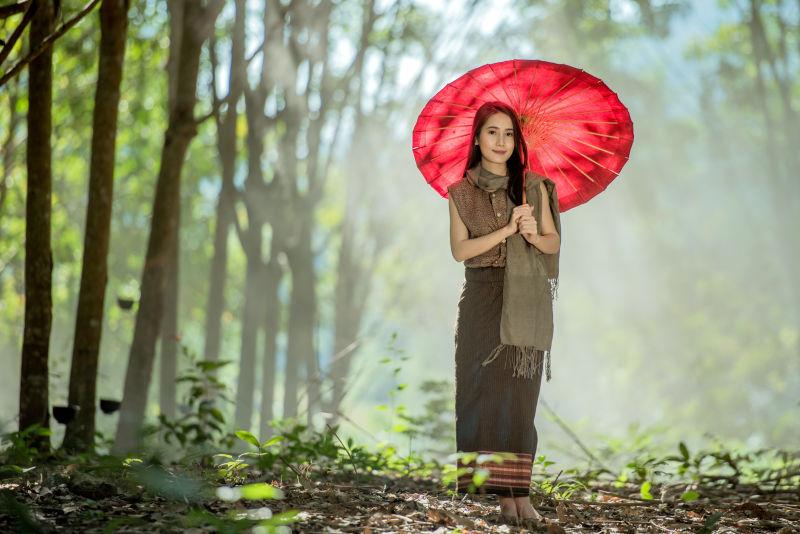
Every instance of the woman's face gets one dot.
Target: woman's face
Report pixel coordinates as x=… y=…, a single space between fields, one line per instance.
x=496 y=138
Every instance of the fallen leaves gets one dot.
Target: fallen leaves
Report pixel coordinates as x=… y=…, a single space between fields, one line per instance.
x=64 y=498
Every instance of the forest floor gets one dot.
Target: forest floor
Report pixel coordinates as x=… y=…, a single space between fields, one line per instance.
x=67 y=498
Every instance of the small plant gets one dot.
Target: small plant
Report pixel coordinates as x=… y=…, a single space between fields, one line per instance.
x=22 y=447
x=396 y=360
x=202 y=422
x=234 y=469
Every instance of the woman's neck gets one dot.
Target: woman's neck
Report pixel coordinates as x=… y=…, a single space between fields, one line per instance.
x=500 y=169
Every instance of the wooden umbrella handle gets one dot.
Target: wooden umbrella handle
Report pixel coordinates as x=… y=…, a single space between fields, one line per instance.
x=524 y=196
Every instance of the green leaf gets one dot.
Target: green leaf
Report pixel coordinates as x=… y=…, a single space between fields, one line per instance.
x=710 y=522
x=689 y=496
x=480 y=476
x=217 y=414
x=210 y=365
x=282 y=518
x=188 y=378
x=684 y=450
x=644 y=491
x=244 y=435
x=261 y=490
x=273 y=441
x=129 y=462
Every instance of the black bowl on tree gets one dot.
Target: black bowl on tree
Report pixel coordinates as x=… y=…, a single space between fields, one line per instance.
x=125 y=303
x=109 y=405
x=65 y=414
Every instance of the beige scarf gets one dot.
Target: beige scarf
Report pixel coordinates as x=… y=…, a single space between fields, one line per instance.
x=530 y=282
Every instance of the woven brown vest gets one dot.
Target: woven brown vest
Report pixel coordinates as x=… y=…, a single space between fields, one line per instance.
x=482 y=213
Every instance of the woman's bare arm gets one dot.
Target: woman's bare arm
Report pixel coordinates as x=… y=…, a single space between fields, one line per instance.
x=464 y=248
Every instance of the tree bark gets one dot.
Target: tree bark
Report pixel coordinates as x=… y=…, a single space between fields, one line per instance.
x=168 y=334
x=170 y=337
x=252 y=244
x=251 y=319
x=226 y=143
x=302 y=321
x=9 y=146
x=349 y=306
x=272 y=316
x=198 y=21
x=79 y=434
x=34 y=382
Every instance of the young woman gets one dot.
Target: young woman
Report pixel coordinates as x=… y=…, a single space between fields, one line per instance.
x=492 y=229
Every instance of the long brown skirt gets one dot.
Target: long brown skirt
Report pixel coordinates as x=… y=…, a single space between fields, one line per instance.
x=494 y=410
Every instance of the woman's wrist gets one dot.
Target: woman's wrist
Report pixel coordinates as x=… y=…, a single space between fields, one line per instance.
x=531 y=238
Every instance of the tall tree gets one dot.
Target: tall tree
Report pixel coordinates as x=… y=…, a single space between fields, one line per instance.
x=198 y=22
x=266 y=203
x=250 y=237
x=9 y=144
x=227 y=148
x=305 y=179
x=168 y=354
x=34 y=382
x=296 y=75
x=79 y=434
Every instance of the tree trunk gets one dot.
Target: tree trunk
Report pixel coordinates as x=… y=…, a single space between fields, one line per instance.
x=170 y=337
x=302 y=315
x=168 y=332
x=79 y=434
x=226 y=144
x=252 y=243
x=9 y=145
x=198 y=21
x=175 y=8
x=245 y=389
x=34 y=383
x=348 y=311
x=7 y=161
x=780 y=179
x=272 y=315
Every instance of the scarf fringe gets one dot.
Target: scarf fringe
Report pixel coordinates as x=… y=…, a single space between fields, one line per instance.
x=526 y=362
x=553 y=288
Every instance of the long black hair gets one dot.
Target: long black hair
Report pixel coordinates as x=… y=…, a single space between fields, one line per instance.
x=518 y=161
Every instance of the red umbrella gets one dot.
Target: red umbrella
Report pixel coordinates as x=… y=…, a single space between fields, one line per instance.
x=578 y=132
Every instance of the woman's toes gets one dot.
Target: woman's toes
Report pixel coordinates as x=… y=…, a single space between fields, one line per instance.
x=508 y=509
x=529 y=512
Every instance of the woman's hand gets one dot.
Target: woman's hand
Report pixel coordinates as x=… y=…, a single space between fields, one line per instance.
x=513 y=224
x=528 y=227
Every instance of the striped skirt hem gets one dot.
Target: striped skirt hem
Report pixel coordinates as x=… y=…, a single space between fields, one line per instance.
x=509 y=476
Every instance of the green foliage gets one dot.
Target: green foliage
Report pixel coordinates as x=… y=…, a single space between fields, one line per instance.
x=435 y=423
x=242 y=521
x=19 y=448
x=169 y=484
x=710 y=522
x=295 y=449
x=175 y=484
x=719 y=465
x=202 y=423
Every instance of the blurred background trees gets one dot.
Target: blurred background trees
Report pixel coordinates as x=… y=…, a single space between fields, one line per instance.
x=256 y=202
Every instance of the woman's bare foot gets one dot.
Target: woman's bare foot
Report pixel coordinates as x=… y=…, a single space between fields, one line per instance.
x=508 y=507
x=525 y=509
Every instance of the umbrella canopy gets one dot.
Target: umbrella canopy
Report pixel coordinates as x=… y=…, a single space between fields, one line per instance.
x=578 y=132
